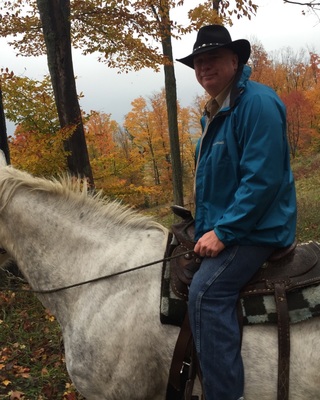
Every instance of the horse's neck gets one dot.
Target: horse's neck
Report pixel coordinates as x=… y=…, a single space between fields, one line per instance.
x=54 y=249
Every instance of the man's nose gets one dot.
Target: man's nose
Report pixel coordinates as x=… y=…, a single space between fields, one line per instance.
x=206 y=65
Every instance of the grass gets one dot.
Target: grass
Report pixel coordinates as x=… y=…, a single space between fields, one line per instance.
x=307 y=176
x=32 y=365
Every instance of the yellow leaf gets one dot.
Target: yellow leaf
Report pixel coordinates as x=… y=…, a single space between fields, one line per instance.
x=6 y=382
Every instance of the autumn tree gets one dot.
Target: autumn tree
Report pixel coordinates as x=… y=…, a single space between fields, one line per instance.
x=295 y=64
x=55 y=20
x=315 y=67
x=147 y=125
x=313 y=96
x=159 y=119
x=294 y=76
x=188 y=138
x=140 y=124
x=37 y=145
x=132 y=156
x=297 y=108
x=106 y=157
x=30 y=103
x=259 y=62
x=118 y=160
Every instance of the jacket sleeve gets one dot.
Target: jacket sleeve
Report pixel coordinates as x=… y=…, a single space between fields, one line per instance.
x=261 y=134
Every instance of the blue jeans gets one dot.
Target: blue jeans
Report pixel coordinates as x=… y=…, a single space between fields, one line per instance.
x=213 y=297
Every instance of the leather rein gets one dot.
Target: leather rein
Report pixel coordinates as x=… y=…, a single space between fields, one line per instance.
x=100 y=278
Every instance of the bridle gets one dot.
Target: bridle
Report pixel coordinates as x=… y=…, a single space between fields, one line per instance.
x=94 y=280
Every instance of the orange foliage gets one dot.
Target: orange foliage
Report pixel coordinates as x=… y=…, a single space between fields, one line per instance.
x=295 y=77
x=39 y=153
x=298 y=112
x=133 y=162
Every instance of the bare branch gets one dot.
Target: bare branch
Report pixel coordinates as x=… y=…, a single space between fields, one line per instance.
x=311 y=4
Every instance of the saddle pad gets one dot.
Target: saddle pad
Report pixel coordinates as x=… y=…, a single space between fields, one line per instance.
x=303 y=304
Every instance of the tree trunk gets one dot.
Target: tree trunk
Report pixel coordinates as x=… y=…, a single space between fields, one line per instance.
x=172 y=109
x=3 y=131
x=55 y=19
x=215 y=5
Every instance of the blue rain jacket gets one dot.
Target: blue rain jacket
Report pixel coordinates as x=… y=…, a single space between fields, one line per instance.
x=244 y=185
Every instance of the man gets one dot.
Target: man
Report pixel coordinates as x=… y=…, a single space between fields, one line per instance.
x=245 y=200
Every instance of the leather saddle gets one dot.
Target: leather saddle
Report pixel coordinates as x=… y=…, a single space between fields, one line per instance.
x=298 y=268
x=292 y=267
x=184 y=262
x=287 y=269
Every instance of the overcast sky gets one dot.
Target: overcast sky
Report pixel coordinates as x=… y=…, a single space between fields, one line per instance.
x=276 y=25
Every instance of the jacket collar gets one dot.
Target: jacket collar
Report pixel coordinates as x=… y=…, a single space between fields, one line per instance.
x=240 y=83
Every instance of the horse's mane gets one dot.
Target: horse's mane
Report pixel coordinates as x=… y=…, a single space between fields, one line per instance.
x=76 y=192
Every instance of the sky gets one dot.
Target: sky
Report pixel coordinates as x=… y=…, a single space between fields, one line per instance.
x=276 y=26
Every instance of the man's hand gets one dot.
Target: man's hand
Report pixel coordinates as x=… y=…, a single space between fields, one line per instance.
x=209 y=245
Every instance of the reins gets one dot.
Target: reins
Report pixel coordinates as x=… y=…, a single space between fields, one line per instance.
x=94 y=280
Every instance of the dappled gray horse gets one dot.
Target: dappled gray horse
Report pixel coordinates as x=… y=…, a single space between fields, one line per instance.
x=115 y=346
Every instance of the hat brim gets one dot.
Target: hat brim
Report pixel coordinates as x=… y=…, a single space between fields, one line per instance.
x=241 y=47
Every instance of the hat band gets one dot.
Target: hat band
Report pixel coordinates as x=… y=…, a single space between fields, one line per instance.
x=208 y=44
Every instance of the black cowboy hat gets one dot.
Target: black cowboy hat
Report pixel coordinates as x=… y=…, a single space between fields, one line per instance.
x=213 y=37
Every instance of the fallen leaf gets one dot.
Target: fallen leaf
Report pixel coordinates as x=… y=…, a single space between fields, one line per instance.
x=69 y=396
x=16 y=395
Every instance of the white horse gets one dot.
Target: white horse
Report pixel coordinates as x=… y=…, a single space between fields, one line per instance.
x=115 y=346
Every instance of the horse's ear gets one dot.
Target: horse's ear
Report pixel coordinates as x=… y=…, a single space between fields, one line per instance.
x=3 y=161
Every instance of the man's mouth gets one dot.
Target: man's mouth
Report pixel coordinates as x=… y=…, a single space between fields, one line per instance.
x=209 y=76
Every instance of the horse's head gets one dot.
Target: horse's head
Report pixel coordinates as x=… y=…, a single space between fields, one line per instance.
x=3 y=161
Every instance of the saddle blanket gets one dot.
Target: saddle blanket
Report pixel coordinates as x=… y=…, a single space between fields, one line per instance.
x=303 y=304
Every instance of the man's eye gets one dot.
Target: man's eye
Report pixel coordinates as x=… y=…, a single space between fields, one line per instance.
x=198 y=61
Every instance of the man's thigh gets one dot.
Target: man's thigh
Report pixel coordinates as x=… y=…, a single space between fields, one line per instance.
x=232 y=268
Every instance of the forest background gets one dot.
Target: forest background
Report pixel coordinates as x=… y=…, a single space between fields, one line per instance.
x=131 y=161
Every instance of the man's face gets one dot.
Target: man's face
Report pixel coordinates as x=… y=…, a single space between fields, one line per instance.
x=215 y=69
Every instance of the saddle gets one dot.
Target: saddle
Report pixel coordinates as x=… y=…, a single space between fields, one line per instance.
x=287 y=269
x=184 y=262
